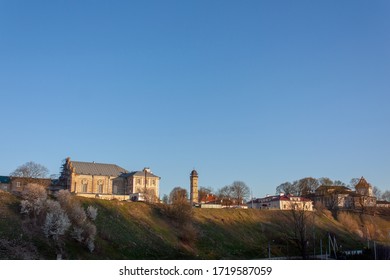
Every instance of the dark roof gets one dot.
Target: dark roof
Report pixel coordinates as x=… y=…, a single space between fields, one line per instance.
x=338 y=189
x=194 y=173
x=139 y=173
x=4 y=179
x=93 y=168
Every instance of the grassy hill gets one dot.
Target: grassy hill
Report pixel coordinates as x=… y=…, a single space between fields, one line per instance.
x=141 y=231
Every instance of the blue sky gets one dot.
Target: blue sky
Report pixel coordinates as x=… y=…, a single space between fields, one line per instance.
x=259 y=91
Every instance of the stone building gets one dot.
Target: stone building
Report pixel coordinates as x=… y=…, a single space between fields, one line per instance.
x=341 y=197
x=107 y=181
x=333 y=197
x=18 y=184
x=281 y=202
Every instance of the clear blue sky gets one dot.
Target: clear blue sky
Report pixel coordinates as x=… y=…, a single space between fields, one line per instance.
x=259 y=91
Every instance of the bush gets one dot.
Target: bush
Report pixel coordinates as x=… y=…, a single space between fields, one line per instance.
x=56 y=222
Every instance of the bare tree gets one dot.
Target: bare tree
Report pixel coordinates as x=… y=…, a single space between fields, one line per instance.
x=386 y=195
x=31 y=170
x=306 y=186
x=240 y=192
x=178 y=195
x=354 y=182
x=203 y=192
x=299 y=222
x=179 y=210
x=377 y=192
x=287 y=188
x=225 y=195
x=325 y=181
x=339 y=183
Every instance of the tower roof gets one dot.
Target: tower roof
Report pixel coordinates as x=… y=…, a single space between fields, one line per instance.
x=362 y=183
x=194 y=173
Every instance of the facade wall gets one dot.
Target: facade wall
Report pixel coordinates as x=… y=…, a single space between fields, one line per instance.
x=136 y=184
x=18 y=184
x=96 y=184
x=5 y=187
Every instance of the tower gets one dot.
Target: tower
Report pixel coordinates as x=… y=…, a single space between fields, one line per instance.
x=194 y=187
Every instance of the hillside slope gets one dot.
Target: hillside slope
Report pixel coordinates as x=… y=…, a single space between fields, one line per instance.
x=141 y=231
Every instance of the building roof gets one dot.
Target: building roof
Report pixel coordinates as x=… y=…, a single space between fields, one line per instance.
x=140 y=173
x=4 y=179
x=93 y=168
x=279 y=197
x=338 y=189
x=362 y=183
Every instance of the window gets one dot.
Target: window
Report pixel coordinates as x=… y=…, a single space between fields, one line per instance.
x=154 y=182
x=100 y=186
x=18 y=185
x=85 y=187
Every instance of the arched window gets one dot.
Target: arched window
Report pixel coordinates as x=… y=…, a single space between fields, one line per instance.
x=100 y=186
x=84 y=184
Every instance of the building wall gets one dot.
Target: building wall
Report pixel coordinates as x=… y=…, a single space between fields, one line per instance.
x=137 y=184
x=5 y=187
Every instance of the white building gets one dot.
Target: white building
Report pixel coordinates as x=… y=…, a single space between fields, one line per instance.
x=281 y=202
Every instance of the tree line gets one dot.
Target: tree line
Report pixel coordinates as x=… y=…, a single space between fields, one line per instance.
x=234 y=194
x=309 y=185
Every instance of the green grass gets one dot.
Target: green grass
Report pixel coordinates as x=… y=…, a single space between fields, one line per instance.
x=141 y=231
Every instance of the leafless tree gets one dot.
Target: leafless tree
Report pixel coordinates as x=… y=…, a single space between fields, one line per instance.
x=386 y=195
x=354 y=182
x=30 y=170
x=299 y=222
x=306 y=186
x=240 y=192
x=203 y=192
x=377 y=192
x=325 y=181
x=287 y=188
x=225 y=195
x=339 y=183
x=178 y=195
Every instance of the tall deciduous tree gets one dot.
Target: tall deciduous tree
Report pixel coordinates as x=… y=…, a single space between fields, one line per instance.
x=240 y=192
x=306 y=185
x=178 y=195
x=299 y=222
x=31 y=170
x=377 y=192
x=286 y=188
x=386 y=195
x=325 y=181
x=203 y=192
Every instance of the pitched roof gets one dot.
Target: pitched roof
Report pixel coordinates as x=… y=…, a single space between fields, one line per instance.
x=140 y=173
x=338 y=189
x=362 y=183
x=93 y=168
